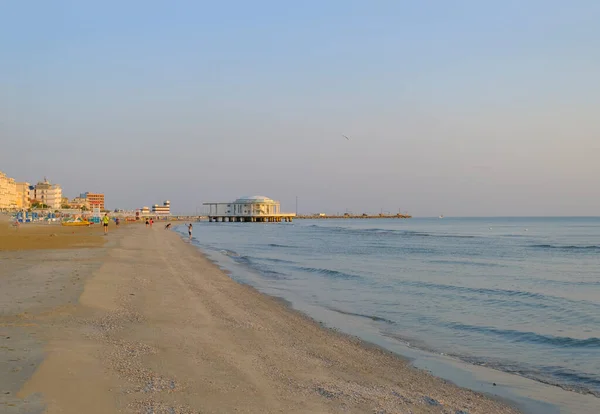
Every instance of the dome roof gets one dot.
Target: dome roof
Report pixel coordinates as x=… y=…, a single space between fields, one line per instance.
x=253 y=199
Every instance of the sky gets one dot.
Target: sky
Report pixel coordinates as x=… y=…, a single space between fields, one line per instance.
x=461 y=108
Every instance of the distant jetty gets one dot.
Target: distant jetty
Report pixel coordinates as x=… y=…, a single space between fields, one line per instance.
x=354 y=216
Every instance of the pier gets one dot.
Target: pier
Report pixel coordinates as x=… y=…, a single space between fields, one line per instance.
x=353 y=216
x=275 y=218
x=254 y=209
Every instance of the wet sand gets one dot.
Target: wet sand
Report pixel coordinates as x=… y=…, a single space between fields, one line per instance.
x=144 y=323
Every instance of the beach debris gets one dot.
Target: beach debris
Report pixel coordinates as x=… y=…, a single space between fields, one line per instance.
x=431 y=401
x=402 y=397
x=461 y=412
x=325 y=393
x=156 y=407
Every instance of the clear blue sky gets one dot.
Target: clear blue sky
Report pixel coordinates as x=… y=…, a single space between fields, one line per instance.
x=453 y=107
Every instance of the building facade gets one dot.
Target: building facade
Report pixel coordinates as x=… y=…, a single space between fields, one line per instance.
x=164 y=210
x=95 y=200
x=23 y=195
x=80 y=203
x=254 y=208
x=8 y=192
x=48 y=194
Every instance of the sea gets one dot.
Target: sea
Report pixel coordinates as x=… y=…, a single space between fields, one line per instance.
x=520 y=295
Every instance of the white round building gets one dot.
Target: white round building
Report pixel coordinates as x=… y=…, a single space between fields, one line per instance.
x=248 y=209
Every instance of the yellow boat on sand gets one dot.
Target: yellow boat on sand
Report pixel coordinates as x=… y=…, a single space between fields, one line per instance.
x=76 y=223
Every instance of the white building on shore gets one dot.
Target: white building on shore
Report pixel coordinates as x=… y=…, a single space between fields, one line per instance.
x=247 y=209
x=164 y=210
x=48 y=194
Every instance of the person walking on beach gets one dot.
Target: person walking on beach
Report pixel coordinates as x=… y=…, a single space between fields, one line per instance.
x=190 y=230
x=147 y=222
x=105 y=221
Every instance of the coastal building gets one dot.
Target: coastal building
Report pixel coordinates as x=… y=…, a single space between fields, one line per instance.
x=164 y=210
x=95 y=200
x=8 y=192
x=79 y=202
x=248 y=209
x=24 y=191
x=48 y=194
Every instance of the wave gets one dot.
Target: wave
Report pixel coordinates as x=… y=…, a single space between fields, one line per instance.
x=565 y=247
x=271 y=274
x=251 y=262
x=493 y=291
x=362 y=315
x=285 y=246
x=381 y=231
x=274 y=260
x=567 y=379
x=573 y=282
x=530 y=337
x=467 y=262
x=583 y=309
x=229 y=253
x=335 y=274
x=580 y=382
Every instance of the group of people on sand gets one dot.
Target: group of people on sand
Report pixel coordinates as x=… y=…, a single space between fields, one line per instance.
x=149 y=223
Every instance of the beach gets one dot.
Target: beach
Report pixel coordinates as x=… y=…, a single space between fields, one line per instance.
x=143 y=322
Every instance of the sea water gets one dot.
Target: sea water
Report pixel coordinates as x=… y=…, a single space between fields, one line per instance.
x=520 y=295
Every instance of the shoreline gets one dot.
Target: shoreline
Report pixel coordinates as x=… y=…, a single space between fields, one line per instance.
x=523 y=393
x=157 y=326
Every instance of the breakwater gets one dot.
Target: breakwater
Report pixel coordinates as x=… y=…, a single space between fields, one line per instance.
x=353 y=216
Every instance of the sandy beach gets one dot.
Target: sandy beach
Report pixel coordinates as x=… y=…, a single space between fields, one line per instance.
x=141 y=322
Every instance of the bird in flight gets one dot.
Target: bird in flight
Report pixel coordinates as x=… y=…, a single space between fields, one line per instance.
x=346 y=137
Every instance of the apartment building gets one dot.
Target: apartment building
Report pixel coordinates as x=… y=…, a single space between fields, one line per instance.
x=8 y=192
x=49 y=194
x=24 y=191
x=95 y=200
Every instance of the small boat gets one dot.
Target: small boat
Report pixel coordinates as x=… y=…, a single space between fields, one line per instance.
x=441 y=216
x=76 y=222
